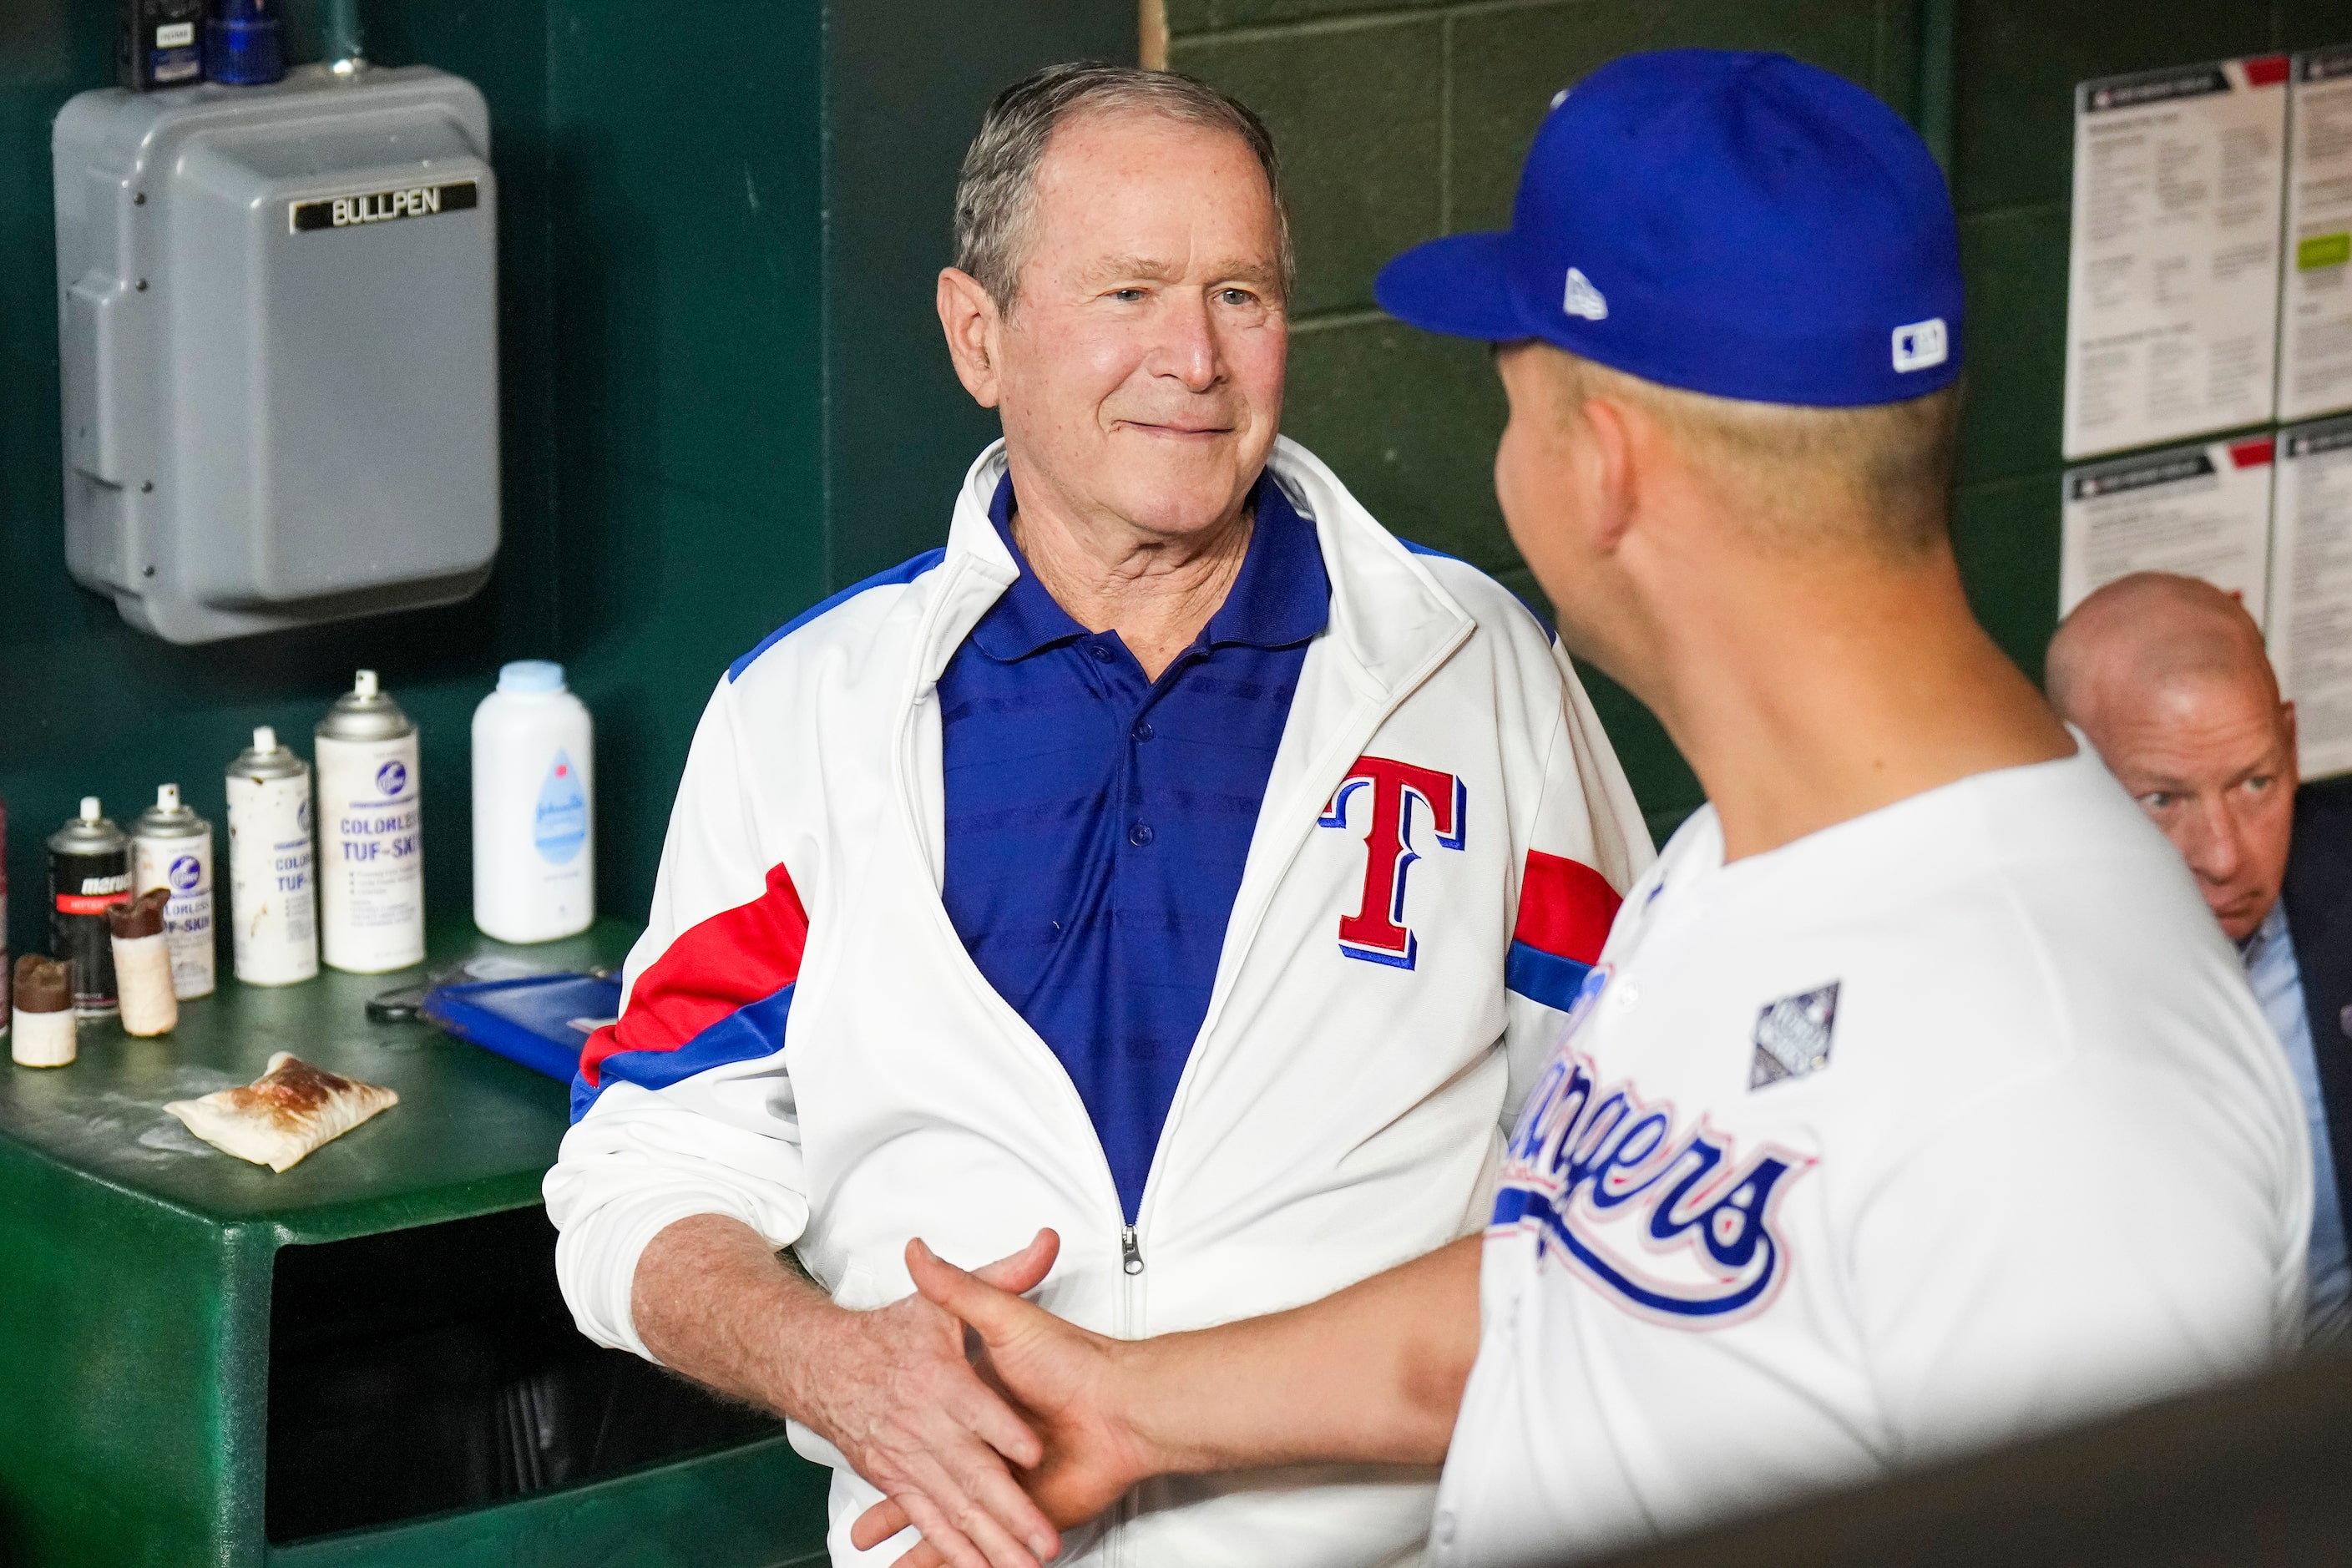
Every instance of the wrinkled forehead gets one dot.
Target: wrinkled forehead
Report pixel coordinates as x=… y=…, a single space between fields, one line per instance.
x=1136 y=185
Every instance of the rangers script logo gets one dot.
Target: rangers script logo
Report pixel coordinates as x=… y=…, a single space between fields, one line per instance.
x=1675 y=1228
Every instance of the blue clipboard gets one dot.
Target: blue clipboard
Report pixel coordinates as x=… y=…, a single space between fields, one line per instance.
x=541 y=1020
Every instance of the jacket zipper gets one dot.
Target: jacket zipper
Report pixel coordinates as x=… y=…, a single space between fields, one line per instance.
x=1118 y=1549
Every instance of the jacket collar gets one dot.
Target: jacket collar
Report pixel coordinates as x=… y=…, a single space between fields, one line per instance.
x=1280 y=597
x=1389 y=620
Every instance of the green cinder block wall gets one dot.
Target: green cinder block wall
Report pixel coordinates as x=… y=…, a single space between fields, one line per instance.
x=1399 y=121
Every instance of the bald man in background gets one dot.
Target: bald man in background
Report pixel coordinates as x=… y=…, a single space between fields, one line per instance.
x=2169 y=678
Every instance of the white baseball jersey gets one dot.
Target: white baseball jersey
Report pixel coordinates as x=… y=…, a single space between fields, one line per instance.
x=807 y=1046
x=1945 y=1125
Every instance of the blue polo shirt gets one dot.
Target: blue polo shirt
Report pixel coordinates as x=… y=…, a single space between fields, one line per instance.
x=1098 y=822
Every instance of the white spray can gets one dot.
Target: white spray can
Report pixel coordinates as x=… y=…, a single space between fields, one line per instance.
x=272 y=889
x=371 y=836
x=172 y=847
x=534 y=807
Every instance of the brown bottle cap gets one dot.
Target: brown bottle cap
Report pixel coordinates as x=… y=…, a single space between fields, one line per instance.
x=43 y=985
x=142 y=916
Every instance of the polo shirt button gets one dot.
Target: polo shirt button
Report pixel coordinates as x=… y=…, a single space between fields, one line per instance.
x=1140 y=835
x=1142 y=730
x=1102 y=654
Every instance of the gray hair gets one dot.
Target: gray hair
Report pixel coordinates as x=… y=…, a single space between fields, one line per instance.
x=996 y=194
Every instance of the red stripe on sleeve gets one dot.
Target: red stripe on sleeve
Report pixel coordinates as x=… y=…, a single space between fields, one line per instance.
x=729 y=962
x=1565 y=908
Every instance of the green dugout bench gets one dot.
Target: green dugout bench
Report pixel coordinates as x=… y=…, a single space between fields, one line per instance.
x=363 y=1362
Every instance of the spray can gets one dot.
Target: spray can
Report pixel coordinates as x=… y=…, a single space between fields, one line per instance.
x=370 y=839
x=272 y=888
x=161 y=44
x=534 y=824
x=172 y=847
x=89 y=873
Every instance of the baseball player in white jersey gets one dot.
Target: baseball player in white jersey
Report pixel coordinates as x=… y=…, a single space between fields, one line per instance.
x=1915 y=1104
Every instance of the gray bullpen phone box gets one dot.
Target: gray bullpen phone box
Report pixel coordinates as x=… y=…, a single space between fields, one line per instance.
x=278 y=335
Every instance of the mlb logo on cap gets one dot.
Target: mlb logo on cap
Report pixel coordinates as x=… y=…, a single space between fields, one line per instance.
x=1922 y=345
x=1742 y=225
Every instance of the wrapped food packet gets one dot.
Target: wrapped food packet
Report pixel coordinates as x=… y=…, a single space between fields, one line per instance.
x=42 y=1030
x=284 y=1114
x=142 y=965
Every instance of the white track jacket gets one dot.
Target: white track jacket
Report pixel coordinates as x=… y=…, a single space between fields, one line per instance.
x=807 y=1047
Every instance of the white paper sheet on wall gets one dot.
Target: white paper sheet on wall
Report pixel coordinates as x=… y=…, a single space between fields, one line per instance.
x=2173 y=292
x=2316 y=325
x=2311 y=590
x=2201 y=511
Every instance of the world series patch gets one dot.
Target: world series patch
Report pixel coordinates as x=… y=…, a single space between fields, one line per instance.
x=1793 y=1036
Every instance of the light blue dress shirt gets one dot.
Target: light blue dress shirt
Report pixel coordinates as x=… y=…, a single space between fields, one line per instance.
x=2277 y=980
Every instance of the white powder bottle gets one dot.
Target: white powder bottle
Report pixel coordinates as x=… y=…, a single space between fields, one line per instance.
x=534 y=807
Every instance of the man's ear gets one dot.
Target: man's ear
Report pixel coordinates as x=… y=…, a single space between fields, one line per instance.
x=1611 y=455
x=969 y=318
x=2286 y=723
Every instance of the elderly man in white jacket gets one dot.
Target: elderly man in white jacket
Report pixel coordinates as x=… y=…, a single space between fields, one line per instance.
x=1176 y=859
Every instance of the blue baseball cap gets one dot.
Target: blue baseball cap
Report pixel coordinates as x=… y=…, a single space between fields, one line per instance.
x=1737 y=223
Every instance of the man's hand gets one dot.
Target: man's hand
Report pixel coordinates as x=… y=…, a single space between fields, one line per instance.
x=890 y=1388
x=1065 y=1380
x=1372 y=1375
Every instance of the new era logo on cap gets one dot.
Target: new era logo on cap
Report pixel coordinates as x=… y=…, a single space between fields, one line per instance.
x=1582 y=299
x=1922 y=345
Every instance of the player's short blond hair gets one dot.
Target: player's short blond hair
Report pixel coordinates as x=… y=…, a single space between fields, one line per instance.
x=1809 y=477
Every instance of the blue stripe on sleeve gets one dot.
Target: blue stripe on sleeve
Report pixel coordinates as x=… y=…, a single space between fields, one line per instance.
x=1544 y=977
x=905 y=572
x=745 y=1035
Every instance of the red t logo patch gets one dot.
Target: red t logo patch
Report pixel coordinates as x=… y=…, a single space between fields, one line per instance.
x=1376 y=932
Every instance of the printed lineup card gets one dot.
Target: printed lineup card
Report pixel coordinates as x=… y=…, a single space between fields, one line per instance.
x=2311 y=590
x=2173 y=290
x=2201 y=511
x=2315 y=326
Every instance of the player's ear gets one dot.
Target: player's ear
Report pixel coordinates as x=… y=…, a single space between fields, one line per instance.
x=970 y=319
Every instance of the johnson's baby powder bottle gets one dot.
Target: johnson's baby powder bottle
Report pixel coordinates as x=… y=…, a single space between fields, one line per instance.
x=534 y=807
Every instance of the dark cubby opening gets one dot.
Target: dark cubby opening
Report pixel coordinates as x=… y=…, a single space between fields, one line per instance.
x=437 y=1368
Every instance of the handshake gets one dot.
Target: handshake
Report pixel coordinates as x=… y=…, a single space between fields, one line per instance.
x=1045 y=1425
x=1063 y=1423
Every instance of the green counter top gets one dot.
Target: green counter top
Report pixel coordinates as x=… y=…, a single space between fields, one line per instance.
x=139 y=1269
x=473 y=1132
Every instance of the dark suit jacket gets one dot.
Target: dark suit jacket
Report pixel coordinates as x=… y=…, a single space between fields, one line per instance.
x=2318 y=898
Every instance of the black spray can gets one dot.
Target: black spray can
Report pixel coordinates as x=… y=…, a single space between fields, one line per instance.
x=89 y=873
x=161 y=44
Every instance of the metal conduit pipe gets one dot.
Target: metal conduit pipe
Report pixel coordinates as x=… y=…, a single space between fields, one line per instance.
x=1939 y=47
x=345 y=54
